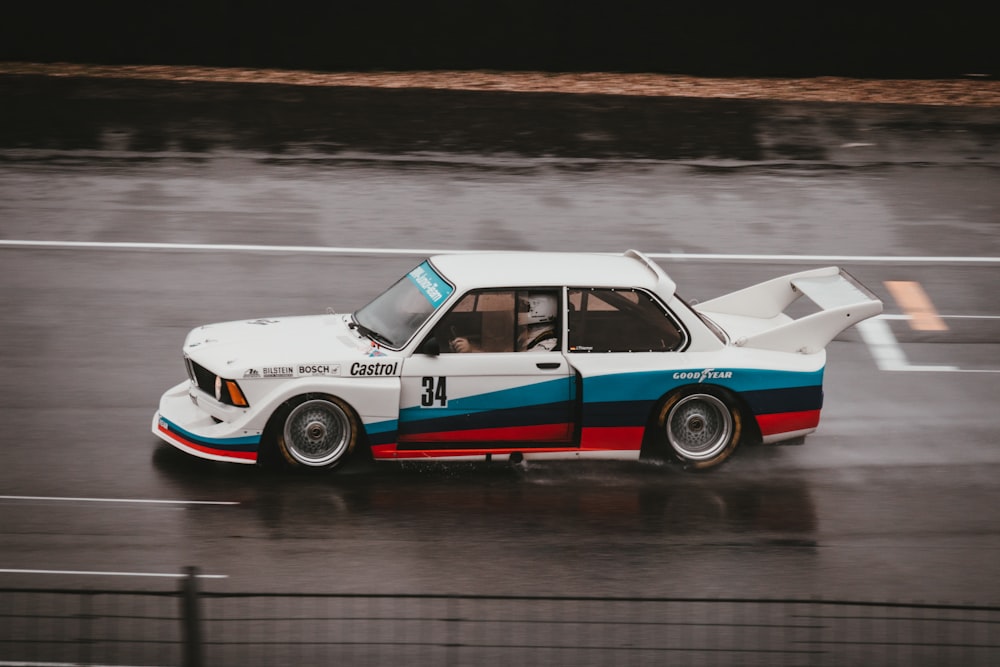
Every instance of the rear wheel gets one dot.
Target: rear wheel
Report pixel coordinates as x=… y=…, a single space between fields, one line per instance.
x=700 y=427
x=318 y=433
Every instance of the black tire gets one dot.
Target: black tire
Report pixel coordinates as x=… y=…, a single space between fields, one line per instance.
x=701 y=427
x=317 y=433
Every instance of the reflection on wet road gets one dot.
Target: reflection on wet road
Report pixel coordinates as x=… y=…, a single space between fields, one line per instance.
x=597 y=528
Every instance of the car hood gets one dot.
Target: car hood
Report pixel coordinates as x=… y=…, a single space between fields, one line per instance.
x=279 y=347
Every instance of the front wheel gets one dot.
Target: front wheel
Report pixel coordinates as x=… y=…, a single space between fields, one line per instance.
x=318 y=433
x=700 y=428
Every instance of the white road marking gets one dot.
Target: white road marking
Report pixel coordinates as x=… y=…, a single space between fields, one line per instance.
x=143 y=501
x=221 y=247
x=889 y=355
x=883 y=345
x=23 y=663
x=902 y=316
x=90 y=573
x=423 y=252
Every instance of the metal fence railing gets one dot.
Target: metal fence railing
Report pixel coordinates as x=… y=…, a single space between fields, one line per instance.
x=193 y=627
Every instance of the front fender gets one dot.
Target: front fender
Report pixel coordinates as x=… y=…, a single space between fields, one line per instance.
x=375 y=399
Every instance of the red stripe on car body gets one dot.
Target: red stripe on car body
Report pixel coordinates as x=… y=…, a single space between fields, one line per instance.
x=539 y=433
x=785 y=422
x=616 y=438
x=225 y=453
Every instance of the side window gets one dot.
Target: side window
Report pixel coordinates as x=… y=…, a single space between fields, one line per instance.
x=524 y=320
x=481 y=321
x=538 y=328
x=620 y=320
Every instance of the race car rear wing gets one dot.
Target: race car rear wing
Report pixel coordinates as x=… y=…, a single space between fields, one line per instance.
x=761 y=321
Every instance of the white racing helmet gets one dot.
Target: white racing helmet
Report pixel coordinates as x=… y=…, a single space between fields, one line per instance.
x=539 y=308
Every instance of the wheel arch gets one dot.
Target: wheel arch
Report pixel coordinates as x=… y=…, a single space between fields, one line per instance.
x=270 y=454
x=654 y=444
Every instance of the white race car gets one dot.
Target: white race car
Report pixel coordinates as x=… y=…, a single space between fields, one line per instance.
x=511 y=356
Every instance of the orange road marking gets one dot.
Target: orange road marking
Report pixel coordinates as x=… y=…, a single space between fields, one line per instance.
x=914 y=301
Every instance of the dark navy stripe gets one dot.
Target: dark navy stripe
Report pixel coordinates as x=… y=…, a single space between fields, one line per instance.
x=791 y=399
x=483 y=445
x=382 y=438
x=616 y=413
x=530 y=416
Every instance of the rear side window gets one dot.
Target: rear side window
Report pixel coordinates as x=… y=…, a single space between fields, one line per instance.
x=620 y=320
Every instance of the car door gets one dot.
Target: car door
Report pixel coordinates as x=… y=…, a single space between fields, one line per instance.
x=622 y=344
x=491 y=395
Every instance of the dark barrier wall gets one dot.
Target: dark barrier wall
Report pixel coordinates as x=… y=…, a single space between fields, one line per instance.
x=943 y=40
x=195 y=627
x=149 y=117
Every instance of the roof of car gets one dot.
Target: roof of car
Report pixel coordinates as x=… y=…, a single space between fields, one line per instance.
x=538 y=269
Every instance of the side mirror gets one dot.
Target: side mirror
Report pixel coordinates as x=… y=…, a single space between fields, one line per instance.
x=430 y=347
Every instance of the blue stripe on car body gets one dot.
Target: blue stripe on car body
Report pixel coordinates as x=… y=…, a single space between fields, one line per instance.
x=651 y=385
x=240 y=442
x=545 y=392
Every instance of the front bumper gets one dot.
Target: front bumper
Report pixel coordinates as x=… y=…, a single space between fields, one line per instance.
x=186 y=426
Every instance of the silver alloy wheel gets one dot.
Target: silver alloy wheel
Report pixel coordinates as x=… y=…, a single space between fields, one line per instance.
x=699 y=426
x=317 y=433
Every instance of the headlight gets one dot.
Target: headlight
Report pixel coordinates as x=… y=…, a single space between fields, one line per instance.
x=227 y=391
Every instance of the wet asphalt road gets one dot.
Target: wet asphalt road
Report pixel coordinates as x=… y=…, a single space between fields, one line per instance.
x=894 y=498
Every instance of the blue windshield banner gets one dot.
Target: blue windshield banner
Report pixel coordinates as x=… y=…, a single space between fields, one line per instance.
x=430 y=284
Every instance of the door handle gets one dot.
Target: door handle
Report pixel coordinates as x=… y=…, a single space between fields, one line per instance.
x=548 y=365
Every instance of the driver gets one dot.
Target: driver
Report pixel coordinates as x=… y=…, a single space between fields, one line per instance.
x=536 y=320
x=536 y=330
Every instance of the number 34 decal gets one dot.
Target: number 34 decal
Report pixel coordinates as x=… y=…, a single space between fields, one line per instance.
x=435 y=392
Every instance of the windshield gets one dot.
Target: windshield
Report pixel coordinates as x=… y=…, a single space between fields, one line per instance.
x=394 y=316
